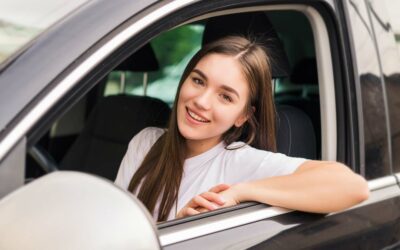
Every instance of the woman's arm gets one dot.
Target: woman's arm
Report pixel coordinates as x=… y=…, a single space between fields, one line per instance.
x=316 y=186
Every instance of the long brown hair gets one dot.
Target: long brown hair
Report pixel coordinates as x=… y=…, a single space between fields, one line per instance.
x=161 y=171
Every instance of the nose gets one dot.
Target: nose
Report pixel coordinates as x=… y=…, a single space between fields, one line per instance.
x=203 y=100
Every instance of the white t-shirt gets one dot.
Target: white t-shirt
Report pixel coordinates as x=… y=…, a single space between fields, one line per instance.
x=215 y=166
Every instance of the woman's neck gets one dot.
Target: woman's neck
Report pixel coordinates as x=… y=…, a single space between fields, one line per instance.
x=197 y=147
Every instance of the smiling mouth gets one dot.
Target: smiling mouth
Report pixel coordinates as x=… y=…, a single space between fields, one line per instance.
x=196 y=117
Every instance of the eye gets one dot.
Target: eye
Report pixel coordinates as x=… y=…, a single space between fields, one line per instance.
x=226 y=97
x=197 y=81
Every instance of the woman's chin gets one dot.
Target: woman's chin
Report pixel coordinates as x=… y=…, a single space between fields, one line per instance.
x=190 y=134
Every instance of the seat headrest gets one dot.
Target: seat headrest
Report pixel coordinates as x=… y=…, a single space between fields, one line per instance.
x=255 y=25
x=305 y=72
x=142 y=60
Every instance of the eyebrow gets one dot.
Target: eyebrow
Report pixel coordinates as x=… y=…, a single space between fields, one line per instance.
x=200 y=73
x=225 y=87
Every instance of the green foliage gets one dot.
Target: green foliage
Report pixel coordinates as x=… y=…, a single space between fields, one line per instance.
x=173 y=49
x=172 y=46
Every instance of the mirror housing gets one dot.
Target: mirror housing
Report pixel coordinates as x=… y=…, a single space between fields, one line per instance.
x=71 y=210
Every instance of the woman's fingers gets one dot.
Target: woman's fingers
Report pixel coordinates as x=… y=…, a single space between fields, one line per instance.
x=202 y=210
x=201 y=201
x=214 y=197
x=191 y=211
x=219 y=188
x=187 y=211
x=205 y=202
x=211 y=199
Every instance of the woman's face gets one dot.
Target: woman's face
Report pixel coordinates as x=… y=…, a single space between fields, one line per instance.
x=212 y=99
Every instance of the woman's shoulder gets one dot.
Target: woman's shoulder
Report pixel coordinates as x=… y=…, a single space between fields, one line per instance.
x=242 y=148
x=152 y=131
x=147 y=135
x=242 y=153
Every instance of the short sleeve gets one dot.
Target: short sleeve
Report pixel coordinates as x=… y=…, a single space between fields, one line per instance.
x=277 y=164
x=138 y=148
x=248 y=163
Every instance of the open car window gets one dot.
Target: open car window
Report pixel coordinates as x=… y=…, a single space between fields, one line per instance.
x=173 y=50
x=94 y=134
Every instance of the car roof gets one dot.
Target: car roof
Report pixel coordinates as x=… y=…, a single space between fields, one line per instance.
x=22 y=79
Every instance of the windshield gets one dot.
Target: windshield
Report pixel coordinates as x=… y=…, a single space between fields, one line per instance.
x=21 y=21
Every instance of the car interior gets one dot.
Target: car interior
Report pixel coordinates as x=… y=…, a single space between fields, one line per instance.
x=93 y=134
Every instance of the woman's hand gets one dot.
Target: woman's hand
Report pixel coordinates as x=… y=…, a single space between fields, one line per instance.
x=231 y=196
x=216 y=197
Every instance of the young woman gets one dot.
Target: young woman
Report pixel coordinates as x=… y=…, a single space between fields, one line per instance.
x=219 y=147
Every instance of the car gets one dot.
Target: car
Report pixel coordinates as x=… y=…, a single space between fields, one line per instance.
x=77 y=84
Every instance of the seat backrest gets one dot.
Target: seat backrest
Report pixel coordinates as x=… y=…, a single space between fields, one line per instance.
x=110 y=126
x=113 y=121
x=295 y=133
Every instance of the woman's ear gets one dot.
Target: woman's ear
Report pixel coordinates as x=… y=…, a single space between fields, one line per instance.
x=241 y=120
x=244 y=117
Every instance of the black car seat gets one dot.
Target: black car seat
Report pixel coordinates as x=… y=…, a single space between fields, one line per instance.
x=113 y=122
x=305 y=75
x=295 y=133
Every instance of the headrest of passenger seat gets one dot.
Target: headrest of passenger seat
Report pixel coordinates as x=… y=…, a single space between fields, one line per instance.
x=142 y=60
x=255 y=24
x=305 y=72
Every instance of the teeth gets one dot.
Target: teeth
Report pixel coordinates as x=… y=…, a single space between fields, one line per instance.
x=196 y=117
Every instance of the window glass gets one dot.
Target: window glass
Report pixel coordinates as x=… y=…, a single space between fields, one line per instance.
x=21 y=21
x=386 y=23
x=373 y=120
x=298 y=41
x=173 y=50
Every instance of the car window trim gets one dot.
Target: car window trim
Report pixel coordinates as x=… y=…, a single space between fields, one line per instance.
x=382 y=81
x=348 y=34
x=181 y=232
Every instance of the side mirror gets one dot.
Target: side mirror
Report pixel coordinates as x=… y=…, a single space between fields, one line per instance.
x=71 y=210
